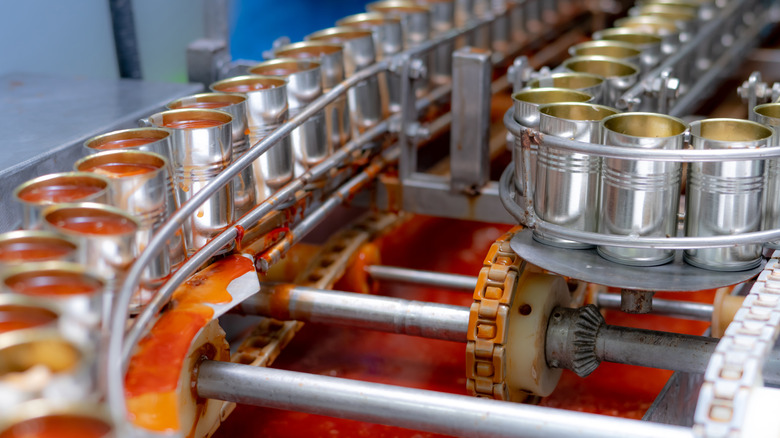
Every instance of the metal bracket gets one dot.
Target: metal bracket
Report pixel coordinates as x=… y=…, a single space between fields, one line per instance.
x=755 y=91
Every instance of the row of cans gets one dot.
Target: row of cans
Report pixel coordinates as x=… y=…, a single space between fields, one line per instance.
x=635 y=198
x=83 y=229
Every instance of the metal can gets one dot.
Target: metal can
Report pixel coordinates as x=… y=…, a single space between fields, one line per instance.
x=647 y=43
x=526 y=112
x=769 y=115
x=365 y=100
x=267 y=109
x=331 y=59
x=304 y=85
x=611 y=49
x=244 y=193
x=140 y=185
x=442 y=21
x=78 y=293
x=105 y=236
x=19 y=312
x=585 y=82
x=39 y=193
x=568 y=184
x=619 y=76
x=725 y=197
x=147 y=139
x=663 y=27
x=416 y=27
x=388 y=40
x=640 y=198
x=24 y=246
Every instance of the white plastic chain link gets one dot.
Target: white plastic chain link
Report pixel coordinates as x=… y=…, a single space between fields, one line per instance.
x=735 y=367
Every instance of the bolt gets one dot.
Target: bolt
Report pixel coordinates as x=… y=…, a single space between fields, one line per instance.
x=417 y=69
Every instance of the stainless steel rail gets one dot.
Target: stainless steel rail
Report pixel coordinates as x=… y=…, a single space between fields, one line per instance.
x=449 y=414
x=426 y=278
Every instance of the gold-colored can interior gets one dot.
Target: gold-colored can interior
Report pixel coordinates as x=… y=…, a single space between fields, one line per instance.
x=542 y=96
x=602 y=67
x=645 y=125
x=731 y=130
x=578 y=111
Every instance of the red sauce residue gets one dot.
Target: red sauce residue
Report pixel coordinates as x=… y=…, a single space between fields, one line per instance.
x=204 y=105
x=58 y=193
x=153 y=374
x=58 y=426
x=52 y=284
x=121 y=143
x=22 y=317
x=244 y=88
x=100 y=225
x=193 y=124
x=355 y=279
x=116 y=170
x=34 y=250
x=240 y=231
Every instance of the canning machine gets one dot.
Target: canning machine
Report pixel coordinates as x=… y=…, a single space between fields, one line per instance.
x=437 y=218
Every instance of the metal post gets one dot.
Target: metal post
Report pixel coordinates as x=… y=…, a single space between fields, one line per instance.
x=425 y=278
x=470 y=133
x=436 y=412
x=682 y=309
x=393 y=315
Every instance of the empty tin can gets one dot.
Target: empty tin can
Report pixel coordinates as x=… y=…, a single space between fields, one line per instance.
x=725 y=197
x=39 y=193
x=148 y=139
x=611 y=49
x=568 y=184
x=416 y=27
x=331 y=59
x=24 y=246
x=619 y=76
x=244 y=192
x=267 y=109
x=388 y=40
x=365 y=100
x=585 y=82
x=665 y=28
x=647 y=43
x=442 y=21
x=640 y=198
x=526 y=105
x=201 y=147
x=769 y=115
x=304 y=85
x=140 y=184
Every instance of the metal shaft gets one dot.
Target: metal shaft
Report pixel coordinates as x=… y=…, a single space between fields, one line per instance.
x=426 y=278
x=418 y=409
x=682 y=309
x=394 y=315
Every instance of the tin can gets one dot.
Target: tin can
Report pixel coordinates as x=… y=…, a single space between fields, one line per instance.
x=24 y=246
x=665 y=28
x=526 y=105
x=388 y=41
x=19 y=312
x=585 y=82
x=140 y=185
x=331 y=59
x=244 y=196
x=304 y=85
x=648 y=44
x=725 y=197
x=365 y=100
x=201 y=147
x=568 y=184
x=267 y=109
x=57 y=417
x=39 y=193
x=105 y=235
x=622 y=51
x=640 y=198
x=769 y=115
x=147 y=139
x=619 y=76
x=442 y=21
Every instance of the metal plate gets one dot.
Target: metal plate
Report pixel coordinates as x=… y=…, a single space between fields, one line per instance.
x=47 y=118
x=588 y=266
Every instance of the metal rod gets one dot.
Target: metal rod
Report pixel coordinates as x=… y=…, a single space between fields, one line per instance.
x=393 y=315
x=436 y=412
x=682 y=309
x=649 y=348
x=426 y=278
